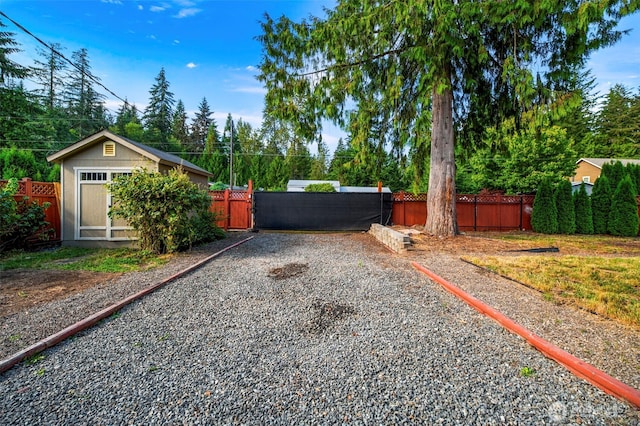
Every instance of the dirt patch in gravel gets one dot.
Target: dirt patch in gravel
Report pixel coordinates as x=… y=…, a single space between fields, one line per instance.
x=22 y=289
x=288 y=271
x=325 y=314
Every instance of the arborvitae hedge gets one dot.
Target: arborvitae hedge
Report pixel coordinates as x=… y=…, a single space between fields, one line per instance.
x=615 y=172
x=584 y=214
x=600 y=205
x=623 y=218
x=544 y=217
x=565 y=207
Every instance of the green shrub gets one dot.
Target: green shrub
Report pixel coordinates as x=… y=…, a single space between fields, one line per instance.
x=565 y=207
x=601 y=205
x=169 y=212
x=20 y=221
x=584 y=214
x=544 y=217
x=319 y=187
x=623 y=217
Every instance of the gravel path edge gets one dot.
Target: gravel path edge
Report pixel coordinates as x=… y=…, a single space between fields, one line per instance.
x=93 y=319
x=580 y=368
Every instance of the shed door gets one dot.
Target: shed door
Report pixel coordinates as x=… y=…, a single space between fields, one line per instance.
x=92 y=220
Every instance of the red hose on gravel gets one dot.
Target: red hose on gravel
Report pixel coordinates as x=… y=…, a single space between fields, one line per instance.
x=578 y=367
x=58 y=337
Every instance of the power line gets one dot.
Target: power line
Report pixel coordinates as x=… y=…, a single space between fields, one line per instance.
x=73 y=64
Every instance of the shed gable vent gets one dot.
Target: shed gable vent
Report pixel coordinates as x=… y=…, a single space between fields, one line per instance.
x=109 y=149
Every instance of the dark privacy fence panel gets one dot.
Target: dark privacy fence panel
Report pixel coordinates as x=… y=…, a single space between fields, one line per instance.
x=321 y=211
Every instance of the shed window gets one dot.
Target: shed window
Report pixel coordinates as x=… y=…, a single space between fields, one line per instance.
x=93 y=176
x=109 y=149
x=586 y=179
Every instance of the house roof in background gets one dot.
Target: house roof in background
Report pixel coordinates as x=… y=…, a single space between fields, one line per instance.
x=154 y=154
x=599 y=162
x=295 y=185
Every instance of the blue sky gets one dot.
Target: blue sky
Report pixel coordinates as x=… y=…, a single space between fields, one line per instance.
x=207 y=47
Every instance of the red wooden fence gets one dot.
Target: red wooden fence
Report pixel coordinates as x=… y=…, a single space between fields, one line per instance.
x=42 y=192
x=475 y=212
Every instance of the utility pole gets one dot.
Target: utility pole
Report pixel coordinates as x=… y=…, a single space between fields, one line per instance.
x=231 y=160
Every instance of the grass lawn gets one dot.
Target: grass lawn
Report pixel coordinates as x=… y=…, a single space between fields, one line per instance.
x=597 y=273
x=74 y=258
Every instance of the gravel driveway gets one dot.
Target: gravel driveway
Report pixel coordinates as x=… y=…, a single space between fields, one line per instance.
x=301 y=329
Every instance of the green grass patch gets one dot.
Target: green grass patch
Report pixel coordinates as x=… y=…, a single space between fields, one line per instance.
x=84 y=259
x=608 y=286
x=596 y=244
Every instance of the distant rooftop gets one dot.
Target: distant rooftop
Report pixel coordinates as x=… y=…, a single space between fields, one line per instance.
x=300 y=185
x=599 y=162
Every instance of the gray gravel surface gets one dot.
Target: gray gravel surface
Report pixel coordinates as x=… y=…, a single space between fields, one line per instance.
x=301 y=329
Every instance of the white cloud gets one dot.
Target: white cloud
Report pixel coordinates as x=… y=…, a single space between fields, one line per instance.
x=140 y=7
x=151 y=36
x=250 y=68
x=259 y=90
x=191 y=65
x=160 y=8
x=185 y=3
x=185 y=13
x=111 y=1
x=176 y=42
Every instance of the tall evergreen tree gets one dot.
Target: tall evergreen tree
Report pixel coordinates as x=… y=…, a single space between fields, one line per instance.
x=84 y=104
x=127 y=113
x=623 y=218
x=9 y=69
x=544 y=217
x=618 y=125
x=179 y=126
x=319 y=163
x=403 y=62
x=200 y=126
x=584 y=213
x=49 y=72
x=565 y=207
x=158 y=115
x=601 y=205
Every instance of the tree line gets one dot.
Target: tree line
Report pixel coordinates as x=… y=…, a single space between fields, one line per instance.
x=513 y=148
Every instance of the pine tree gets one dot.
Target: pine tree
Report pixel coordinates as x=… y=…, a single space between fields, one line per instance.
x=623 y=218
x=127 y=113
x=200 y=126
x=159 y=113
x=618 y=125
x=179 y=127
x=9 y=69
x=565 y=207
x=601 y=205
x=584 y=214
x=84 y=104
x=544 y=217
x=49 y=73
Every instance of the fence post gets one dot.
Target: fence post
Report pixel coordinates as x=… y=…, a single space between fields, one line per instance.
x=249 y=198
x=227 y=210
x=28 y=187
x=475 y=212
x=521 y=207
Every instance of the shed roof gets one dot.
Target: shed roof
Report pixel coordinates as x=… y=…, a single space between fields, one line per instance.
x=599 y=162
x=154 y=154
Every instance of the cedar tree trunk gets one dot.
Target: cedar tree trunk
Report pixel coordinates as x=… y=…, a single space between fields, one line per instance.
x=441 y=198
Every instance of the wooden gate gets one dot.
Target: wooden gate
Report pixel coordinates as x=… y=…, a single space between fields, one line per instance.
x=233 y=208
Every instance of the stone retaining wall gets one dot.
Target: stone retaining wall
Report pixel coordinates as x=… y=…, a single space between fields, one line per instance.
x=395 y=240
